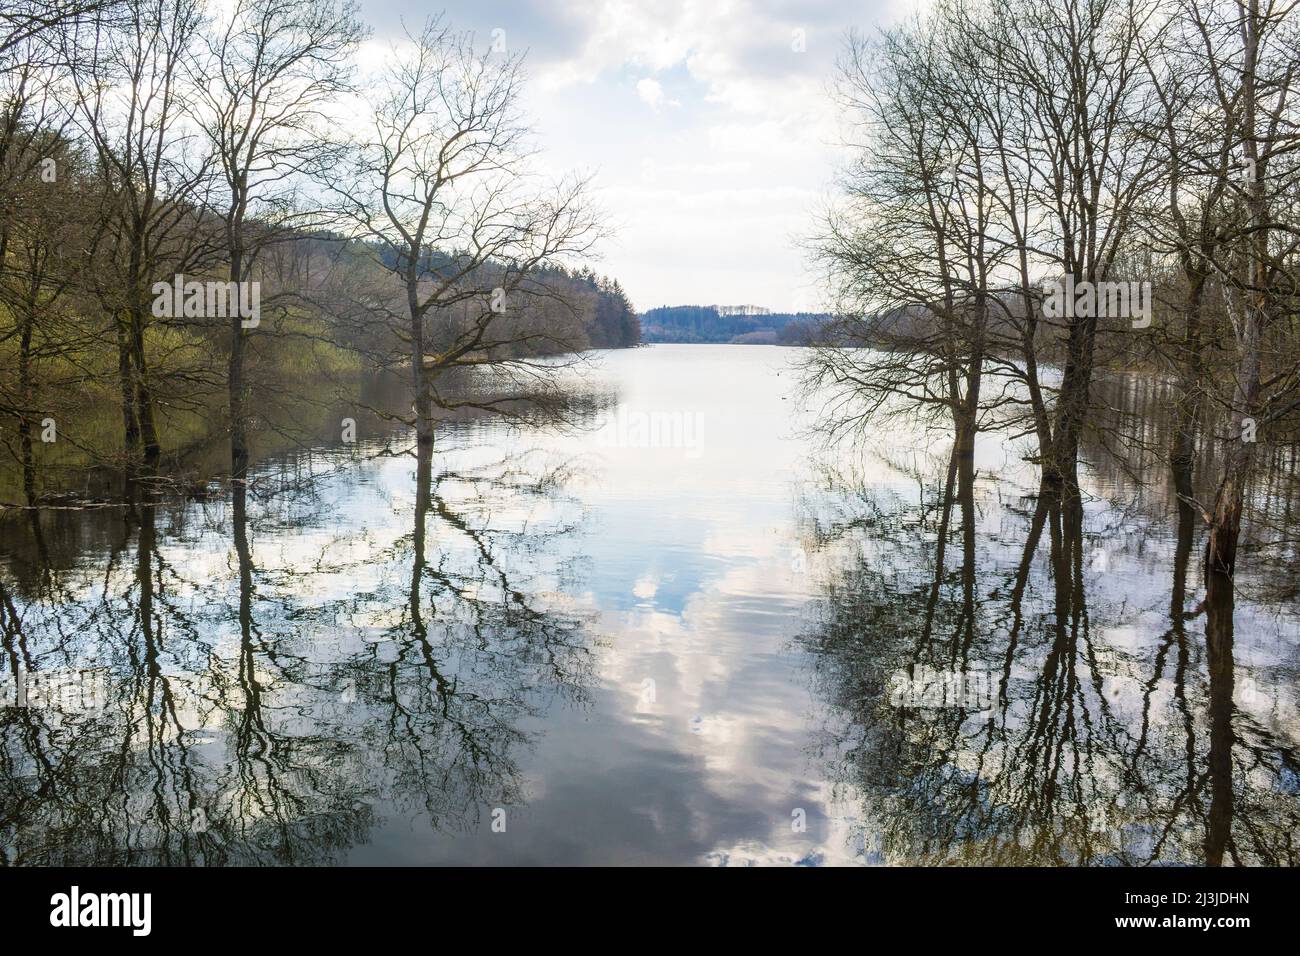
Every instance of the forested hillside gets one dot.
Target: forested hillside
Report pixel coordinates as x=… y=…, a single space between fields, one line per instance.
x=705 y=323
x=191 y=231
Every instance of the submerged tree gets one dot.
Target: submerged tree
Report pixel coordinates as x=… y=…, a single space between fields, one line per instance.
x=266 y=80
x=1042 y=191
x=444 y=192
x=130 y=105
x=1251 y=60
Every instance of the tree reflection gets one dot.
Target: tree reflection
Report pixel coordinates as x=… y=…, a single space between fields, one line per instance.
x=267 y=710
x=1093 y=749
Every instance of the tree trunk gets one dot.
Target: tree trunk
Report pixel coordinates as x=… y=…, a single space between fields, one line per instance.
x=235 y=379
x=423 y=398
x=25 y=422
x=126 y=382
x=1186 y=413
x=1219 y=661
x=1225 y=524
x=1061 y=469
x=150 y=447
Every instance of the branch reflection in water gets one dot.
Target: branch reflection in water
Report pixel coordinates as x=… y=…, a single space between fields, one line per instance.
x=363 y=655
x=265 y=697
x=1102 y=743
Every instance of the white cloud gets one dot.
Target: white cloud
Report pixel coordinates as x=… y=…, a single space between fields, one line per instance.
x=711 y=193
x=651 y=93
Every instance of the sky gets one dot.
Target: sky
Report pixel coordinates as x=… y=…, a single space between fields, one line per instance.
x=707 y=124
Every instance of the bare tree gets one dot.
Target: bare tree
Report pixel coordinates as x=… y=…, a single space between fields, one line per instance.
x=444 y=194
x=265 y=80
x=24 y=21
x=1250 y=54
x=42 y=225
x=993 y=159
x=1077 y=69
x=131 y=108
x=1187 y=218
x=909 y=250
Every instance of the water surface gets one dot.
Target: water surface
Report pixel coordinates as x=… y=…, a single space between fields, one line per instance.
x=670 y=632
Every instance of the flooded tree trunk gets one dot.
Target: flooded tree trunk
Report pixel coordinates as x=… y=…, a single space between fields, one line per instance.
x=1219 y=659
x=146 y=545
x=1182 y=557
x=151 y=450
x=422 y=404
x=966 y=495
x=238 y=431
x=126 y=382
x=1029 y=354
x=250 y=724
x=1186 y=413
x=423 y=496
x=964 y=454
x=940 y=548
x=26 y=390
x=1225 y=524
x=235 y=378
x=1061 y=467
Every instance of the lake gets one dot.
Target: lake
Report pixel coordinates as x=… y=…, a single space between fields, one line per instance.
x=676 y=630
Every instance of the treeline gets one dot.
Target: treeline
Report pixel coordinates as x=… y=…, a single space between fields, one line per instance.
x=205 y=206
x=703 y=323
x=1042 y=190
x=609 y=320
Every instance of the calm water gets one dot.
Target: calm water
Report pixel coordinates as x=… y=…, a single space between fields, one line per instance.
x=678 y=631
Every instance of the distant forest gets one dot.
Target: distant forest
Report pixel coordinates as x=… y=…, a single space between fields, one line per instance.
x=703 y=323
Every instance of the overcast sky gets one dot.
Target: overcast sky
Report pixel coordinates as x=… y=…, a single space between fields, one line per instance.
x=710 y=133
